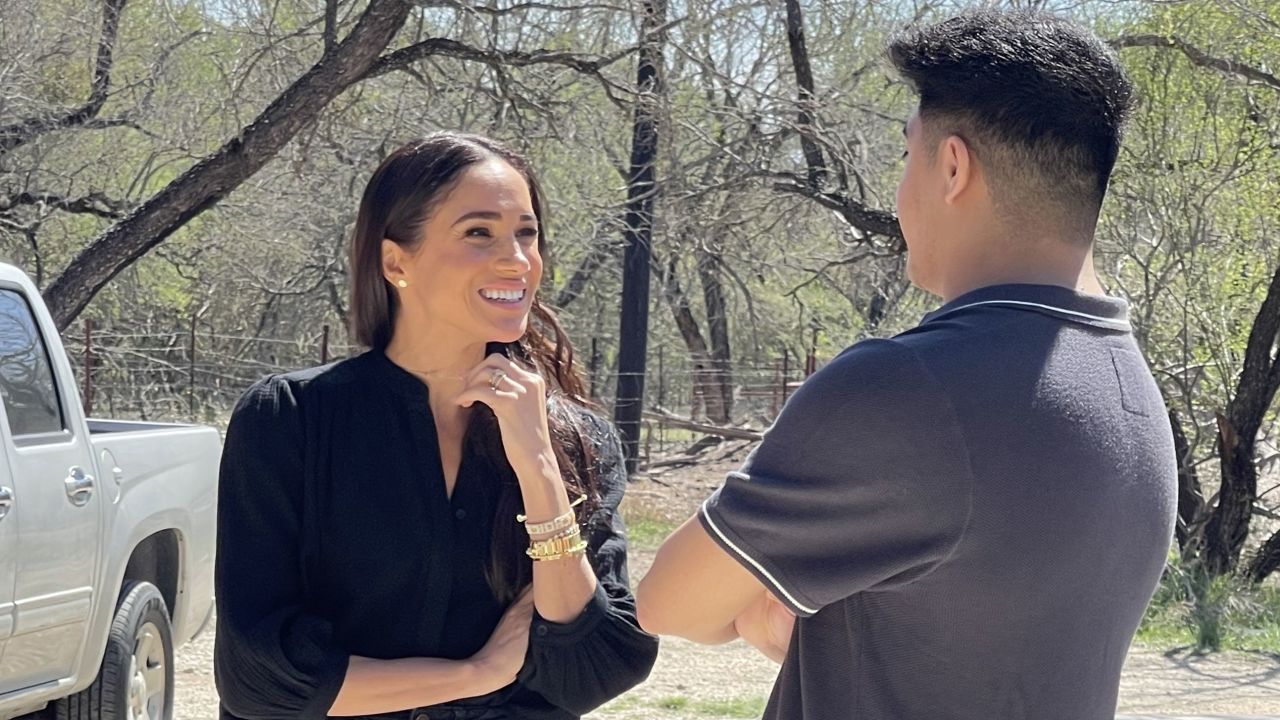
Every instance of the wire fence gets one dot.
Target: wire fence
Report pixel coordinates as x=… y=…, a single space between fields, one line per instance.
x=196 y=374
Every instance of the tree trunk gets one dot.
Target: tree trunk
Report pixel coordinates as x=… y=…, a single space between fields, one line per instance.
x=704 y=387
x=721 y=376
x=1191 y=504
x=210 y=180
x=1238 y=430
x=804 y=79
x=1266 y=561
x=634 y=326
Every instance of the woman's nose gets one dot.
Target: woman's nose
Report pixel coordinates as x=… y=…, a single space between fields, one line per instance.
x=514 y=255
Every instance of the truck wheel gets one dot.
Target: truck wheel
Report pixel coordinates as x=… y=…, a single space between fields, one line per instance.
x=136 y=679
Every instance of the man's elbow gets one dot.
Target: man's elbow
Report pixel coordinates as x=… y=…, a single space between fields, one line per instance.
x=649 y=611
x=665 y=613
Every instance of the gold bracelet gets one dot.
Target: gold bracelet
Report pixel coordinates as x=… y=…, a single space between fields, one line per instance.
x=573 y=550
x=550 y=526
x=571 y=530
x=551 y=548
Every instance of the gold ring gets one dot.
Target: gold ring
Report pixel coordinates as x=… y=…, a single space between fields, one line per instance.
x=496 y=379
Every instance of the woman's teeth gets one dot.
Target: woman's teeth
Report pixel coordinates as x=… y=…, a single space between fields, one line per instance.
x=503 y=295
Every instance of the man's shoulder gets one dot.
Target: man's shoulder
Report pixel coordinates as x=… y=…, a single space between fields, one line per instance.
x=867 y=383
x=870 y=366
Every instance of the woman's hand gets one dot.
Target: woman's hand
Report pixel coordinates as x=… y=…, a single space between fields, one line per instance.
x=501 y=658
x=766 y=625
x=518 y=397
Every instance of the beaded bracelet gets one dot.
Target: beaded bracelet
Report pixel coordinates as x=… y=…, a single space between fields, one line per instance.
x=550 y=526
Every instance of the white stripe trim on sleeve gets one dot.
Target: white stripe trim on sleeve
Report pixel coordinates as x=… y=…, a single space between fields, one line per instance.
x=772 y=580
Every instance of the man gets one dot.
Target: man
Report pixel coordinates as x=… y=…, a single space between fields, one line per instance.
x=968 y=519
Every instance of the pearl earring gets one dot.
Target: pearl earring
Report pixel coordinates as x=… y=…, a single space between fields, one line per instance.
x=402 y=283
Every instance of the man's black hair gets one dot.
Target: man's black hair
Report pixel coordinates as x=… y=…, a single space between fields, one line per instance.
x=1041 y=100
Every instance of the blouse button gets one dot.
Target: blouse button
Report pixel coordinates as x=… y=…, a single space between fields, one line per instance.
x=460 y=514
x=542 y=631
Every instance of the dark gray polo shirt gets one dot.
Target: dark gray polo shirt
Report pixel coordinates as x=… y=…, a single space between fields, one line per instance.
x=969 y=518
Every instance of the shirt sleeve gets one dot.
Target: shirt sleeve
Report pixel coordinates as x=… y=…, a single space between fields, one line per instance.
x=862 y=482
x=272 y=658
x=602 y=653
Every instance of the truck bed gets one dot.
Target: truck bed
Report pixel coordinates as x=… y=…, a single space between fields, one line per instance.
x=163 y=476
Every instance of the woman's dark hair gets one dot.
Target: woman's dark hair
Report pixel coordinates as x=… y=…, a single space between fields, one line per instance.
x=1042 y=100
x=397 y=202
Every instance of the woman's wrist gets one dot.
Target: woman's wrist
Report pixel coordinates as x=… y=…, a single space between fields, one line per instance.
x=479 y=677
x=539 y=474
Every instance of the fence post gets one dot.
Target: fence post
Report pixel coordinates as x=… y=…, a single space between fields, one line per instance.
x=324 y=345
x=191 y=368
x=88 y=367
x=786 y=375
x=593 y=366
x=811 y=362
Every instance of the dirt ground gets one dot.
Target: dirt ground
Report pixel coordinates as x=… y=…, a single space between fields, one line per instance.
x=732 y=680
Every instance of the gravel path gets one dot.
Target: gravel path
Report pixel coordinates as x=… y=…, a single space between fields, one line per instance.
x=731 y=676
x=697 y=681
x=731 y=681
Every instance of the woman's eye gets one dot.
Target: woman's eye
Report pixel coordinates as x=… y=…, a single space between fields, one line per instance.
x=528 y=233
x=478 y=232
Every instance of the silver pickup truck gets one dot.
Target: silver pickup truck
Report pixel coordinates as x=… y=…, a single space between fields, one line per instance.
x=106 y=536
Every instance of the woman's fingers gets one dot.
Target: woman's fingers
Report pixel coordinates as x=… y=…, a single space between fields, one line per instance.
x=490 y=390
x=497 y=378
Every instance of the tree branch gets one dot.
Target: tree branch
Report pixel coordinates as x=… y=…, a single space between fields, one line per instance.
x=1257 y=386
x=433 y=47
x=582 y=275
x=91 y=204
x=1265 y=561
x=859 y=216
x=210 y=180
x=1199 y=57
x=523 y=6
x=22 y=132
x=804 y=78
x=330 y=24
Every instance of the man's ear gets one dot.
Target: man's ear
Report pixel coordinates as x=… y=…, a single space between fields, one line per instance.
x=958 y=166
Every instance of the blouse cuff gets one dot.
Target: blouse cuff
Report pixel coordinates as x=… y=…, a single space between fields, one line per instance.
x=328 y=688
x=552 y=634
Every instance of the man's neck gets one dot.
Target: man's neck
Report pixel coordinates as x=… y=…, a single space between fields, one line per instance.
x=1044 y=263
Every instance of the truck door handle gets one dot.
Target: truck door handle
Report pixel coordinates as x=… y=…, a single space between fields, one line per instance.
x=79 y=486
x=6 y=500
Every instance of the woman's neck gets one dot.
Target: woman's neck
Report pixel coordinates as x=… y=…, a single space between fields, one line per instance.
x=442 y=362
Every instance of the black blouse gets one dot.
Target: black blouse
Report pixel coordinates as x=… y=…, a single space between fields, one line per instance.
x=336 y=537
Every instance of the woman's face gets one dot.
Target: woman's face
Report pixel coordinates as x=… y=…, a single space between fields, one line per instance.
x=477 y=266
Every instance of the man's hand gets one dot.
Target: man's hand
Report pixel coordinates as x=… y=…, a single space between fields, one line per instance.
x=766 y=625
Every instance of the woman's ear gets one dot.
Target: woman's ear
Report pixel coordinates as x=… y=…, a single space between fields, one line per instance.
x=393 y=263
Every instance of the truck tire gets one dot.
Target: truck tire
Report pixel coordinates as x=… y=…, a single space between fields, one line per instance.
x=136 y=678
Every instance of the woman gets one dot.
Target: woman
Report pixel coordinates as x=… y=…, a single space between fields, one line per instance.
x=393 y=526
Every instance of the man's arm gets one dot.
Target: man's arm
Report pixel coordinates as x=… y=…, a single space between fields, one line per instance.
x=697 y=591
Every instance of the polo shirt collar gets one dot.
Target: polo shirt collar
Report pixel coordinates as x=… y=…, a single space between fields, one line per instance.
x=1098 y=311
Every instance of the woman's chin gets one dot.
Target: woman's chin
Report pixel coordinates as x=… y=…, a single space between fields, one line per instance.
x=509 y=332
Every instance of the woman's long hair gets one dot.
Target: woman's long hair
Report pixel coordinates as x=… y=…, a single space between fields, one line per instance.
x=397 y=202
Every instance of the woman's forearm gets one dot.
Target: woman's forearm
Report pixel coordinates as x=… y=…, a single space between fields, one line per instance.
x=377 y=686
x=561 y=588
